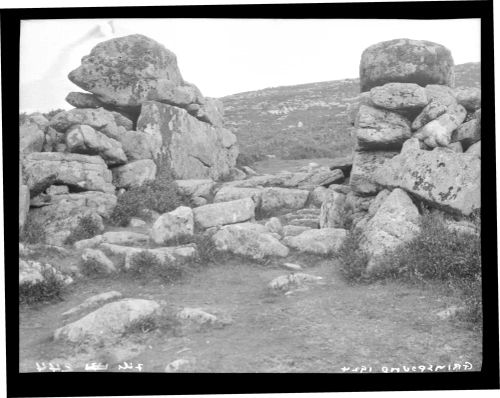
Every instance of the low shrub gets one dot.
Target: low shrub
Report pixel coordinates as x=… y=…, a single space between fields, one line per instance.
x=50 y=289
x=145 y=264
x=92 y=268
x=161 y=195
x=207 y=252
x=164 y=321
x=33 y=231
x=248 y=159
x=352 y=260
x=439 y=253
x=87 y=227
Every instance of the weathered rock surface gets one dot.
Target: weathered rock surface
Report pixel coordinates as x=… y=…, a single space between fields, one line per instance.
x=83 y=100
x=317 y=241
x=283 y=199
x=399 y=97
x=129 y=70
x=171 y=254
x=134 y=174
x=475 y=149
x=35 y=272
x=294 y=280
x=455 y=147
x=31 y=137
x=321 y=178
x=333 y=211
x=100 y=260
x=408 y=61
x=469 y=97
x=57 y=190
x=381 y=129
x=139 y=145
x=365 y=164
x=79 y=172
x=64 y=212
x=245 y=240
x=92 y=302
x=108 y=322
x=274 y=225
x=175 y=224
x=445 y=179
x=196 y=188
x=319 y=195
x=61 y=219
x=467 y=133
x=228 y=193
x=395 y=222
x=194 y=149
x=101 y=203
x=99 y=119
x=126 y=238
x=88 y=243
x=84 y=139
x=223 y=213
x=438 y=132
x=432 y=111
x=294 y=230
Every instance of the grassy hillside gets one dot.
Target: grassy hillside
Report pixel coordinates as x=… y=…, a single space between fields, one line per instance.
x=304 y=121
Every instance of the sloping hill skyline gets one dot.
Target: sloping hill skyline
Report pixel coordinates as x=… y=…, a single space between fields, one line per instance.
x=307 y=120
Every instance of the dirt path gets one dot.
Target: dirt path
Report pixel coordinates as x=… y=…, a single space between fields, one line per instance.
x=320 y=329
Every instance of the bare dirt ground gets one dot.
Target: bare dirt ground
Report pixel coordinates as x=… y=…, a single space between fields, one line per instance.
x=321 y=329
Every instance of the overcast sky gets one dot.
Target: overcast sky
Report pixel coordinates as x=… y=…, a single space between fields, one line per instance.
x=224 y=57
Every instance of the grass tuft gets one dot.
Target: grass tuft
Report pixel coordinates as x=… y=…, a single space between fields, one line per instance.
x=87 y=228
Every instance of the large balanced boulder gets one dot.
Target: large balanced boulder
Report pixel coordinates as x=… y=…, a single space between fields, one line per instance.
x=395 y=222
x=317 y=241
x=217 y=214
x=129 y=70
x=194 y=149
x=441 y=177
x=406 y=61
x=125 y=72
x=247 y=240
x=381 y=129
x=79 y=172
x=108 y=322
x=84 y=139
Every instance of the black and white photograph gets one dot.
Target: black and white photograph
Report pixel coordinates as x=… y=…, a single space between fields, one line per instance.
x=251 y=195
